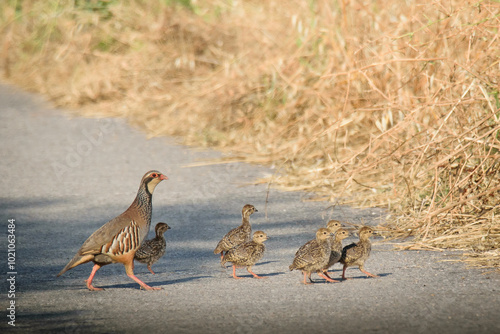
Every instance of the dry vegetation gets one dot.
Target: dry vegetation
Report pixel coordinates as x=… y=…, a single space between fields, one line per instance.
x=391 y=103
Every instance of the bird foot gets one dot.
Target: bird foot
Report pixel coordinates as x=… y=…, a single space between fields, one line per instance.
x=368 y=274
x=93 y=288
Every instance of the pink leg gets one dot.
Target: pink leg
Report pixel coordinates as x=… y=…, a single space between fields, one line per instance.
x=305 y=276
x=91 y=277
x=141 y=283
x=367 y=273
x=326 y=274
x=234 y=273
x=343 y=272
x=249 y=269
x=325 y=277
x=222 y=264
x=129 y=269
x=151 y=270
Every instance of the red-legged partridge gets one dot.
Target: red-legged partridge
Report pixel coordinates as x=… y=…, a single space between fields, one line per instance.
x=247 y=254
x=237 y=235
x=118 y=240
x=152 y=250
x=356 y=254
x=336 y=249
x=313 y=256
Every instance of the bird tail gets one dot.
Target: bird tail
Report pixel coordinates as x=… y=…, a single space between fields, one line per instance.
x=292 y=267
x=77 y=260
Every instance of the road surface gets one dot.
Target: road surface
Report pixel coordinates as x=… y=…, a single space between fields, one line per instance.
x=63 y=177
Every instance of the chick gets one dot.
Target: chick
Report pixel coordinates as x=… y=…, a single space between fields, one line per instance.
x=152 y=250
x=313 y=256
x=336 y=249
x=237 y=235
x=247 y=254
x=356 y=254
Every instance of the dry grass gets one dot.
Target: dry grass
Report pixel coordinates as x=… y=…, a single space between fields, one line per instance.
x=372 y=103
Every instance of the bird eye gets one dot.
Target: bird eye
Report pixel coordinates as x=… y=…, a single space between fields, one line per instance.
x=154 y=175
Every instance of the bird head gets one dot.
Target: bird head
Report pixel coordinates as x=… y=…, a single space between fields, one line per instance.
x=151 y=180
x=260 y=237
x=248 y=210
x=333 y=226
x=323 y=234
x=341 y=234
x=161 y=228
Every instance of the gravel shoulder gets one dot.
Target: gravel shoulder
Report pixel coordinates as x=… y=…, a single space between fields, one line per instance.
x=64 y=177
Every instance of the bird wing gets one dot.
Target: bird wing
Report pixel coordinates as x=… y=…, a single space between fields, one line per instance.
x=245 y=254
x=350 y=253
x=108 y=232
x=307 y=253
x=233 y=238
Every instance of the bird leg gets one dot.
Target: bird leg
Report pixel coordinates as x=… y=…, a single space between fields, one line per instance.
x=367 y=273
x=310 y=279
x=222 y=264
x=305 y=275
x=328 y=279
x=249 y=269
x=325 y=272
x=234 y=273
x=91 y=277
x=129 y=269
x=343 y=272
x=151 y=270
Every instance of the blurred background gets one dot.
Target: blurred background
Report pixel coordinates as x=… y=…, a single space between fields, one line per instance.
x=361 y=102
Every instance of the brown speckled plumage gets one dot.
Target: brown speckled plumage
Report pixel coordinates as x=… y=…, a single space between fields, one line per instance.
x=152 y=250
x=336 y=249
x=356 y=254
x=247 y=254
x=118 y=240
x=237 y=235
x=313 y=256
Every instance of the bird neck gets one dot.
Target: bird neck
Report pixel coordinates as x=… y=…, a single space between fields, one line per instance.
x=245 y=220
x=159 y=235
x=142 y=205
x=144 y=196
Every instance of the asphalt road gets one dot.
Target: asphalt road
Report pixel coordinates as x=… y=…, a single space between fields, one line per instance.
x=62 y=178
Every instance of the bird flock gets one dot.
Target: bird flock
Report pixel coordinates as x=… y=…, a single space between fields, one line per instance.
x=121 y=240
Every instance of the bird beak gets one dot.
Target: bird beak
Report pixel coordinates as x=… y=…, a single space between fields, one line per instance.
x=163 y=177
x=168 y=228
x=256 y=210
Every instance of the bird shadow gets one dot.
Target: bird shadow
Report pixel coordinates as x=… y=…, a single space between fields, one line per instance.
x=261 y=275
x=182 y=280
x=262 y=263
x=154 y=284
x=366 y=277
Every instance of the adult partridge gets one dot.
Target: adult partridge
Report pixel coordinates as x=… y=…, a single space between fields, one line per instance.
x=247 y=254
x=152 y=250
x=336 y=249
x=237 y=235
x=313 y=256
x=356 y=254
x=118 y=240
